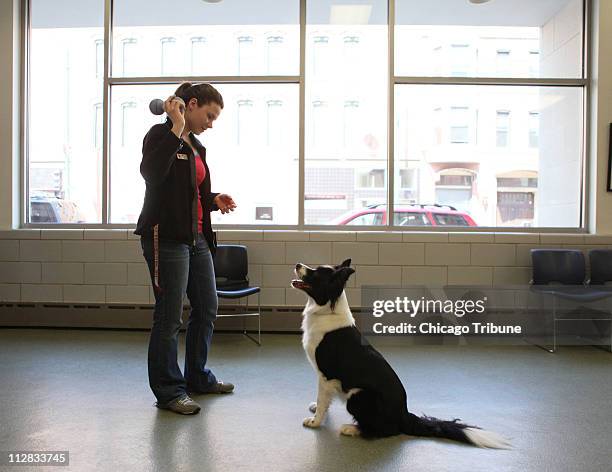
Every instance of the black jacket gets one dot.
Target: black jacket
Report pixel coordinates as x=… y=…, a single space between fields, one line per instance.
x=168 y=167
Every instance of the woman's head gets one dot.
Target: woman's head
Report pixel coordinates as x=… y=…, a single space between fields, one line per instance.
x=203 y=104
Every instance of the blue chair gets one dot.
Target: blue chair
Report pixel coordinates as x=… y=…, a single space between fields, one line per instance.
x=601 y=273
x=601 y=266
x=560 y=274
x=231 y=272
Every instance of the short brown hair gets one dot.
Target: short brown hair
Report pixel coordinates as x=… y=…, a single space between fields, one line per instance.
x=203 y=92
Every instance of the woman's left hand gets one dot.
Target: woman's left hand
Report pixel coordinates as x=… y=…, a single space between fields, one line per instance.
x=225 y=203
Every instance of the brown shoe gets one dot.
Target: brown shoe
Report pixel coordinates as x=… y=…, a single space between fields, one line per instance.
x=182 y=405
x=219 y=387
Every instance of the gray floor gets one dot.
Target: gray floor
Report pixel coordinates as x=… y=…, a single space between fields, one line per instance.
x=87 y=392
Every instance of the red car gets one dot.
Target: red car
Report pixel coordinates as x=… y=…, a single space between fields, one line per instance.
x=411 y=215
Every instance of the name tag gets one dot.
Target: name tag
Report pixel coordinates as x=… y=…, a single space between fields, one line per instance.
x=183 y=157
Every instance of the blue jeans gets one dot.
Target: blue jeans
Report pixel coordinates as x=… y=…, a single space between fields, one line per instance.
x=182 y=268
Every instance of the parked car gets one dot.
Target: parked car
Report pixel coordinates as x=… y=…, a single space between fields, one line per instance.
x=411 y=215
x=48 y=209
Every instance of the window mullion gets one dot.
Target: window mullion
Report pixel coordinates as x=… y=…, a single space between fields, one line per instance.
x=108 y=18
x=302 y=119
x=391 y=115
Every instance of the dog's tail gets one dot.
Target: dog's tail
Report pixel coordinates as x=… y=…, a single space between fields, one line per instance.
x=455 y=430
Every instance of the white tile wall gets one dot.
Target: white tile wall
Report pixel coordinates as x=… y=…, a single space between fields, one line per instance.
x=10 y=293
x=493 y=254
x=138 y=274
x=138 y=294
x=424 y=275
x=9 y=250
x=471 y=237
x=122 y=251
x=277 y=275
x=294 y=297
x=106 y=273
x=61 y=234
x=20 y=234
x=424 y=237
x=359 y=253
x=462 y=275
x=404 y=254
x=20 y=272
x=377 y=275
x=255 y=274
x=332 y=236
x=106 y=266
x=525 y=238
x=62 y=272
x=597 y=239
x=447 y=254
x=40 y=251
x=310 y=253
x=265 y=252
x=105 y=234
x=285 y=236
x=272 y=296
x=83 y=251
x=378 y=236
x=353 y=295
x=84 y=294
x=553 y=238
x=231 y=235
x=511 y=275
x=41 y=293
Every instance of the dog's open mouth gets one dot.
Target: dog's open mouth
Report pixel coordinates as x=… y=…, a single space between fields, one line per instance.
x=296 y=283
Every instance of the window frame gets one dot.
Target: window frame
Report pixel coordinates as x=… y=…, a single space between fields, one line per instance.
x=583 y=82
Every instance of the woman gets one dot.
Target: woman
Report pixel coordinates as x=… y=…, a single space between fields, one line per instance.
x=178 y=244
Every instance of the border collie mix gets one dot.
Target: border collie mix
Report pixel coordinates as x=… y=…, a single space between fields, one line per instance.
x=348 y=366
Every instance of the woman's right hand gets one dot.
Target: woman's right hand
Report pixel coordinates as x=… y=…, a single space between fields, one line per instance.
x=175 y=108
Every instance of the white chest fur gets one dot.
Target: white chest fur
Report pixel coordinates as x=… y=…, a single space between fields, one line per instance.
x=319 y=320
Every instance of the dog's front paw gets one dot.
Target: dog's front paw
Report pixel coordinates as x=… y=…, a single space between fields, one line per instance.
x=349 y=430
x=311 y=422
x=313 y=407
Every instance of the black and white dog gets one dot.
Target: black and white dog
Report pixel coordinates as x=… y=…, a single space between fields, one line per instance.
x=348 y=366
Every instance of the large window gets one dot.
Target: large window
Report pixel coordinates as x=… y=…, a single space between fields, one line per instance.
x=475 y=103
x=525 y=118
x=346 y=87
x=64 y=149
x=462 y=171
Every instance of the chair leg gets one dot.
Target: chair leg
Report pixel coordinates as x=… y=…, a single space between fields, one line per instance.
x=547 y=349
x=245 y=331
x=259 y=321
x=554 y=325
x=603 y=347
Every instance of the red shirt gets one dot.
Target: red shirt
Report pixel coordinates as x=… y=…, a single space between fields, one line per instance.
x=200 y=175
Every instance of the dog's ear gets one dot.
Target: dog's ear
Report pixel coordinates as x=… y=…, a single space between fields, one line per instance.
x=344 y=273
x=346 y=263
